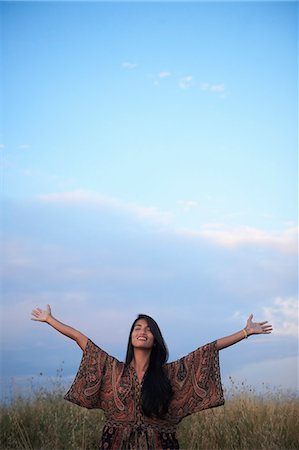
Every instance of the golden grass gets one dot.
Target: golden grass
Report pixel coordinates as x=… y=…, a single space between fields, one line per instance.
x=247 y=421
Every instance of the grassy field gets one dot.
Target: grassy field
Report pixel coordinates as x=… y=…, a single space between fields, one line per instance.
x=248 y=420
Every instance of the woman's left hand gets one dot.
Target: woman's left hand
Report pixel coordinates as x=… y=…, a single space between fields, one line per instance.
x=257 y=327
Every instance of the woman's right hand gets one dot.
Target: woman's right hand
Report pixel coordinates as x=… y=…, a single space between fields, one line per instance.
x=41 y=315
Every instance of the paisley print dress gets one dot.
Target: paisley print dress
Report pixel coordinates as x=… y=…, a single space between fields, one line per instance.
x=104 y=382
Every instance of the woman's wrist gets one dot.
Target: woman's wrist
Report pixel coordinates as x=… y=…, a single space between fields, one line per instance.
x=248 y=331
x=49 y=320
x=245 y=334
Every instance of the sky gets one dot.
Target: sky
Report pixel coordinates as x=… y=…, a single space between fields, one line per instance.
x=149 y=165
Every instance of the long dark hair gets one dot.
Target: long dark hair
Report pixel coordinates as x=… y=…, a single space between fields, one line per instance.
x=156 y=389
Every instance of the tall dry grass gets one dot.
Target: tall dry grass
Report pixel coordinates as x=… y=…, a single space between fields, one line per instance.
x=248 y=420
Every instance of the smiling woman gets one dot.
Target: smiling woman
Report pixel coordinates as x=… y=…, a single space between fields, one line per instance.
x=145 y=398
x=147 y=353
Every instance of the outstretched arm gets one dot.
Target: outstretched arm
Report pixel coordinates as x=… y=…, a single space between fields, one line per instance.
x=46 y=316
x=251 y=328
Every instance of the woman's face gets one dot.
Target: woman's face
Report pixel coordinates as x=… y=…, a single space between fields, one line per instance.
x=141 y=336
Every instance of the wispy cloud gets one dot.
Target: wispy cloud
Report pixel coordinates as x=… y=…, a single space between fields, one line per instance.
x=41 y=176
x=164 y=74
x=85 y=197
x=128 y=65
x=187 y=205
x=283 y=315
x=205 y=86
x=233 y=237
x=217 y=88
x=186 y=82
x=24 y=146
x=285 y=241
x=28 y=172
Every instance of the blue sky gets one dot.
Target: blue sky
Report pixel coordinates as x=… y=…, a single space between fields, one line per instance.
x=149 y=161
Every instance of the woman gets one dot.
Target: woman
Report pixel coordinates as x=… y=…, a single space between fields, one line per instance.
x=144 y=398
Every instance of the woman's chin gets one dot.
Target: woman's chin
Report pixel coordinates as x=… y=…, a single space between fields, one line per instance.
x=142 y=346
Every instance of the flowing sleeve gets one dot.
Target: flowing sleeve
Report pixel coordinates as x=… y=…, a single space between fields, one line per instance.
x=92 y=378
x=196 y=382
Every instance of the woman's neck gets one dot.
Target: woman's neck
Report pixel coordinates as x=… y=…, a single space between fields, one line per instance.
x=141 y=360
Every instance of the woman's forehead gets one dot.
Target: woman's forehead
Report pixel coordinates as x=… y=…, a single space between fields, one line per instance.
x=142 y=322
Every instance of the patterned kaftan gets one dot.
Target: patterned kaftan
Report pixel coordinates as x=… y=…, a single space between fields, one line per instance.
x=104 y=382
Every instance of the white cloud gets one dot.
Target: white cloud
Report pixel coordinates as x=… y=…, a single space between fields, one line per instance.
x=288 y=223
x=286 y=241
x=151 y=213
x=214 y=88
x=164 y=74
x=187 y=205
x=186 y=82
x=97 y=199
x=27 y=172
x=218 y=88
x=283 y=315
x=205 y=86
x=128 y=65
x=234 y=237
x=24 y=146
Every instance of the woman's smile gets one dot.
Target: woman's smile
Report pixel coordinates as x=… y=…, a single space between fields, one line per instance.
x=142 y=335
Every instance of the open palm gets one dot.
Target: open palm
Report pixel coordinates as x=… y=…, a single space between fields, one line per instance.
x=257 y=327
x=40 y=314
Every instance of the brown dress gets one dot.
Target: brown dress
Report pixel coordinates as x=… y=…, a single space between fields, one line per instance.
x=104 y=382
